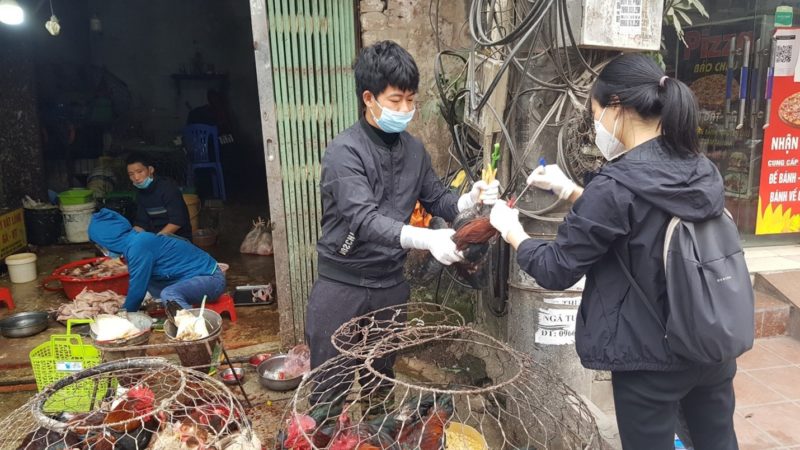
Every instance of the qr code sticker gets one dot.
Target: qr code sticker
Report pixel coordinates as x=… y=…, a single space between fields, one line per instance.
x=783 y=54
x=629 y=13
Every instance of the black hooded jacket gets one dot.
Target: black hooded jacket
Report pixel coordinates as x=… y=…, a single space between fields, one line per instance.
x=625 y=207
x=369 y=189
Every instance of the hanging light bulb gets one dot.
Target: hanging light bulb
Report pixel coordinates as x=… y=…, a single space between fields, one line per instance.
x=11 y=13
x=52 y=25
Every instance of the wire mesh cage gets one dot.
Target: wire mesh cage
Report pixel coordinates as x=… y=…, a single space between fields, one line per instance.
x=433 y=386
x=143 y=403
x=358 y=336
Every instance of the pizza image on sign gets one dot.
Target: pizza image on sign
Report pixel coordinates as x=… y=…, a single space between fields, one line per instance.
x=789 y=111
x=710 y=91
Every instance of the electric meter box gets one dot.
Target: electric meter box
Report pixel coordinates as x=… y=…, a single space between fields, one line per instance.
x=616 y=24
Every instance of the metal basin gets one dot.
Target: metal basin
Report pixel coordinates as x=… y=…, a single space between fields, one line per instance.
x=141 y=321
x=271 y=366
x=229 y=375
x=24 y=324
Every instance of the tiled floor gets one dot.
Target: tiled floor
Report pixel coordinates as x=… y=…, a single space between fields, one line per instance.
x=772 y=258
x=768 y=395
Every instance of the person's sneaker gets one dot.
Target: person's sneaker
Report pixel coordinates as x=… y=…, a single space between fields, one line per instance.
x=172 y=310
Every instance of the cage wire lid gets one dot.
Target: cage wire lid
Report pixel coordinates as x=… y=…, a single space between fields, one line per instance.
x=140 y=403
x=357 y=336
x=452 y=387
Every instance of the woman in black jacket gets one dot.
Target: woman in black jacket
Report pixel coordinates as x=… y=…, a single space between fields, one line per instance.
x=646 y=127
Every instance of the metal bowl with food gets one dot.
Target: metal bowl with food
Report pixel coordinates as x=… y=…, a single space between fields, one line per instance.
x=272 y=376
x=140 y=320
x=24 y=324
x=258 y=358
x=230 y=375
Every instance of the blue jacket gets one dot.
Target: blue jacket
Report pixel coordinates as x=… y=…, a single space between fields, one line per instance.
x=625 y=208
x=149 y=256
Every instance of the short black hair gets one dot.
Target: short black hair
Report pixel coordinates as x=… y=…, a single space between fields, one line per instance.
x=384 y=64
x=136 y=157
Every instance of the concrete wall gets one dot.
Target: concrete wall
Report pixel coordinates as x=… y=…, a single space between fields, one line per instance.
x=408 y=23
x=21 y=165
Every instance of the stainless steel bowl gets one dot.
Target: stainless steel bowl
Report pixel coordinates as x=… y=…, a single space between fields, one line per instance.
x=228 y=376
x=272 y=365
x=24 y=324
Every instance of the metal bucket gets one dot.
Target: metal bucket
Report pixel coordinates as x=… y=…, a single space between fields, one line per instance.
x=543 y=325
x=202 y=352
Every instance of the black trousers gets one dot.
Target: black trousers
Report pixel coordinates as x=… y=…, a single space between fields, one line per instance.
x=332 y=304
x=647 y=407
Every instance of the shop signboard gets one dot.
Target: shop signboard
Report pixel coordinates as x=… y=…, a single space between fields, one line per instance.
x=12 y=232
x=779 y=191
x=721 y=63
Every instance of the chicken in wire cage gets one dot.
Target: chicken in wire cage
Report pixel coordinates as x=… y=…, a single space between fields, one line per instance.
x=452 y=387
x=133 y=404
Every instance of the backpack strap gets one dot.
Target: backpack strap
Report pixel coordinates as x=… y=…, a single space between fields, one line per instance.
x=639 y=290
x=673 y=223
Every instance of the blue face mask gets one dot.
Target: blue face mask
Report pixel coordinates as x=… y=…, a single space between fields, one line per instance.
x=144 y=184
x=392 y=121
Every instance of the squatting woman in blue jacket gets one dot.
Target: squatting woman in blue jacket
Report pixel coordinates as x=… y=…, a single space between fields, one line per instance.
x=170 y=268
x=645 y=127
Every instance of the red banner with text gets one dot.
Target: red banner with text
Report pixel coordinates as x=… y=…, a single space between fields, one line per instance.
x=779 y=192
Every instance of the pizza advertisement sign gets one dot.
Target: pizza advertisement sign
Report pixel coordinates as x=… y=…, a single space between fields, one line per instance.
x=711 y=64
x=779 y=191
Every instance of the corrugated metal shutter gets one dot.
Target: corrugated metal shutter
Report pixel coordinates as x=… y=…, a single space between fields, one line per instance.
x=312 y=45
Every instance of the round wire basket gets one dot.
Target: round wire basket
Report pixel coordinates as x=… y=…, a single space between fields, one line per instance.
x=138 y=403
x=358 y=336
x=432 y=386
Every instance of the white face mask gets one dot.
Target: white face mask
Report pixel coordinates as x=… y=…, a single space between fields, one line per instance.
x=609 y=145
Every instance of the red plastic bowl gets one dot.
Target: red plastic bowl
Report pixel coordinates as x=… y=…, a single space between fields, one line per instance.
x=73 y=286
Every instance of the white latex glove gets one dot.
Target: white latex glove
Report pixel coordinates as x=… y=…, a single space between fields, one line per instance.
x=481 y=191
x=505 y=219
x=438 y=242
x=551 y=178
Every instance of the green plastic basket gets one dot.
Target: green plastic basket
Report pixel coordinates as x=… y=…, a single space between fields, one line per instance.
x=62 y=356
x=76 y=196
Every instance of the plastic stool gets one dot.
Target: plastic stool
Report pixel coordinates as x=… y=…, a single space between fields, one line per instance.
x=5 y=297
x=224 y=304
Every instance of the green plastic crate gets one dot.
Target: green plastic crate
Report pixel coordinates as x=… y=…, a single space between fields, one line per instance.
x=76 y=196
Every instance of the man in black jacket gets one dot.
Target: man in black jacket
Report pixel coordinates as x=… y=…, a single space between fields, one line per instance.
x=160 y=205
x=373 y=173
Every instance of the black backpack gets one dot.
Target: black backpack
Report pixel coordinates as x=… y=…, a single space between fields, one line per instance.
x=709 y=292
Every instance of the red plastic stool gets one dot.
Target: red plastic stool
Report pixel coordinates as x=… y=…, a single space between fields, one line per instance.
x=5 y=297
x=224 y=304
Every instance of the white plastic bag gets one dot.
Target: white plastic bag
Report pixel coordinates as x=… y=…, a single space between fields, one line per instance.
x=298 y=361
x=259 y=240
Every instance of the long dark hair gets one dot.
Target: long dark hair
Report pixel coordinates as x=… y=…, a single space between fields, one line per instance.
x=635 y=81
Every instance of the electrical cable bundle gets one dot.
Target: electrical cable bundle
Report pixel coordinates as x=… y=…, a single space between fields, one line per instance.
x=520 y=34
